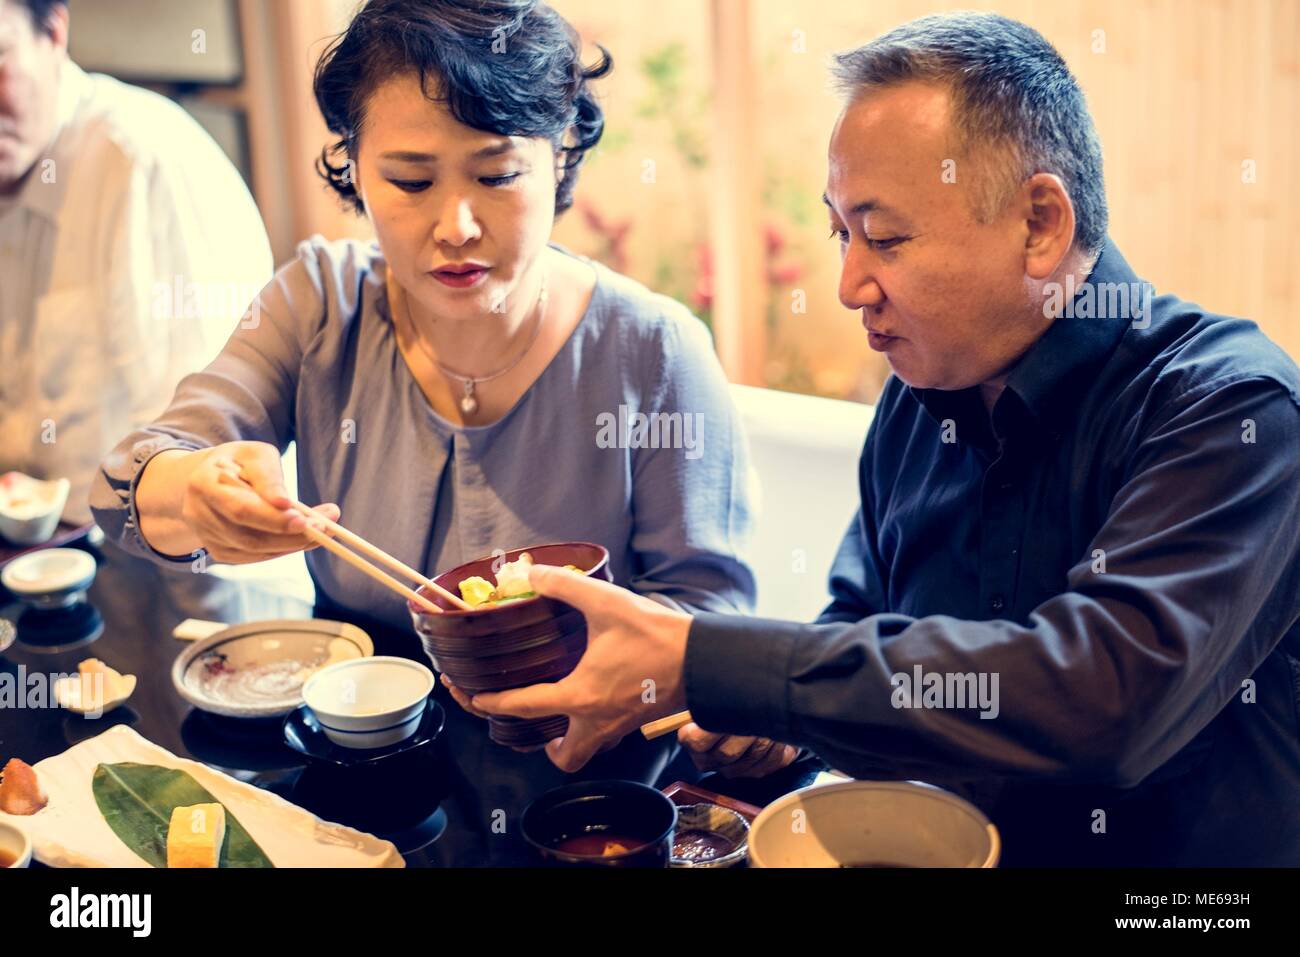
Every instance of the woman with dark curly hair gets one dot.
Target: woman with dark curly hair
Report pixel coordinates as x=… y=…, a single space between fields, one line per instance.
x=460 y=385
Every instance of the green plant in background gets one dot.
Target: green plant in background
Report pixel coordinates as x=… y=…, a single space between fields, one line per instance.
x=666 y=100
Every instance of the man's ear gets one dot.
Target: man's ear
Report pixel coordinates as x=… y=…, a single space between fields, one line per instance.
x=1049 y=216
x=56 y=26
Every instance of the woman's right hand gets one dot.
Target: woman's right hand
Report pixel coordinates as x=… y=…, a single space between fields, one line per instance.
x=229 y=499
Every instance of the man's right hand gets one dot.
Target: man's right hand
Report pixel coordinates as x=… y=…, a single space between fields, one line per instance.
x=229 y=499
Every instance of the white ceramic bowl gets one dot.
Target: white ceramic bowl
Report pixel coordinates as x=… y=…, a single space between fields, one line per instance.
x=51 y=577
x=370 y=702
x=873 y=823
x=34 y=520
x=15 y=841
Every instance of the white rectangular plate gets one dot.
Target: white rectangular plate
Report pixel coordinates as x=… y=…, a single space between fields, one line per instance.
x=70 y=831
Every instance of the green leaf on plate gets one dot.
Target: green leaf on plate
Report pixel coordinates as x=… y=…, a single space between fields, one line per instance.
x=137 y=802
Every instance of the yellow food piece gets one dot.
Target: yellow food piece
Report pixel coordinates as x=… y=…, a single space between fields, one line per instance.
x=613 y=847
x=476 y=590
x=195 y=835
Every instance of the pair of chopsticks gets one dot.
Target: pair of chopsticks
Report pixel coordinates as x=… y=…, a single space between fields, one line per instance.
x=317 y=521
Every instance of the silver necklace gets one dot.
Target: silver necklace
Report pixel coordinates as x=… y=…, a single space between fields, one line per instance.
x=468 y=401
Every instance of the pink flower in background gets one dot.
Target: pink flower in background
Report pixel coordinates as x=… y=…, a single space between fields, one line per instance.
x=784 y=275
x=613 y=234
x=775 y=241
x=702 y=295
x=778 y=275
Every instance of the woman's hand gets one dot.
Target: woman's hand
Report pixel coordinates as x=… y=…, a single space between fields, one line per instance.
x=229 y=499
x=735 y=756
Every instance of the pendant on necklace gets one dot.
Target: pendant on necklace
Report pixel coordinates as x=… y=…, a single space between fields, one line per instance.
x=469 y=404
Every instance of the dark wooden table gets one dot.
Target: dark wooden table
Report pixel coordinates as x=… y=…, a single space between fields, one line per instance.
x=456 y=802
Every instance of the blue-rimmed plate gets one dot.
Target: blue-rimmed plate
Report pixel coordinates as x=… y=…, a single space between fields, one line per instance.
x=303 y=733
x=257 y=670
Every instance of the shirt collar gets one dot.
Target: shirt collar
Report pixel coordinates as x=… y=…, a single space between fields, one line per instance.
x=1080 y=338
x=46 y=199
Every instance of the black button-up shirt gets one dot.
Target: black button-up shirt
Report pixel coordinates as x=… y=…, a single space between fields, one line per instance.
x=1112 y=557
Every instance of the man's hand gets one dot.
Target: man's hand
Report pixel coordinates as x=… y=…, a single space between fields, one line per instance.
x=631 y=672
x=735 y=756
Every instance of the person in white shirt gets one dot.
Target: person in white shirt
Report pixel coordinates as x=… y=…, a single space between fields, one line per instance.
x=130 y=249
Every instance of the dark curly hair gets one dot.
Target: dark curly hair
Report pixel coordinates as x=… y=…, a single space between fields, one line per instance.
x=511 y=67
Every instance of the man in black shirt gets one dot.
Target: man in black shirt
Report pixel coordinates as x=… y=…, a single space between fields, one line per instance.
x=1072 y=590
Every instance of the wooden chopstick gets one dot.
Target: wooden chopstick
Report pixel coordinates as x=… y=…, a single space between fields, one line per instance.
x=655 y=729
x=377 y=554
x=381 y=556
x=359 y=563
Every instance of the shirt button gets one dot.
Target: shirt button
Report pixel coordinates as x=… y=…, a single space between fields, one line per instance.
x=997 y=604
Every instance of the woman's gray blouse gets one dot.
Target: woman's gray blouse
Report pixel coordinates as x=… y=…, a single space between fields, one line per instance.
x=628 y=438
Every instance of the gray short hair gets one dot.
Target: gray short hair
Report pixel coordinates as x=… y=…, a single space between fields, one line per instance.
x=1011 y=90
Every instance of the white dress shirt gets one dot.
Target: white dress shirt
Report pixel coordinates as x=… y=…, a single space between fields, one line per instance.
x=126 y=260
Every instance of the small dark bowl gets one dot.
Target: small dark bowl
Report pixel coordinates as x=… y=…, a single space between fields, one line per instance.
x=520 y=643
x=620 y=809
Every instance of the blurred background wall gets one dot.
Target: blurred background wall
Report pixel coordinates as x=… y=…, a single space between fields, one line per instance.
x=708 y=183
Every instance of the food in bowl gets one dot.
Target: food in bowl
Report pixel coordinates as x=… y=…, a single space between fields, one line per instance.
x=599 y=844
x=601 y=824
x=510 y=644
x=709 y=835
x=512 y=584
x=30 y=508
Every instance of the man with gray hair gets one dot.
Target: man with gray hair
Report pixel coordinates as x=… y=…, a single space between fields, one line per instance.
x=1075 y=495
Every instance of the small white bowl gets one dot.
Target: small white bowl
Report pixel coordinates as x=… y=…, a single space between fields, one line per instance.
x=51 y=577
x=15 y=841
x=34 y=520
x=369 y=702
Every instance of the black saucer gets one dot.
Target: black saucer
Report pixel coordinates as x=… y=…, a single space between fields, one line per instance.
x=55 y=630
x=303 y=733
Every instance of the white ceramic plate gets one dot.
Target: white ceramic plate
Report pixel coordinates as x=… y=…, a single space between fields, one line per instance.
x=70 y=831
x=257 y=670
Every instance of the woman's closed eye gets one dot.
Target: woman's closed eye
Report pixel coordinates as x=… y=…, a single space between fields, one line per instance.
x=502 y=179
x=411 y=185
x=420 y=185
